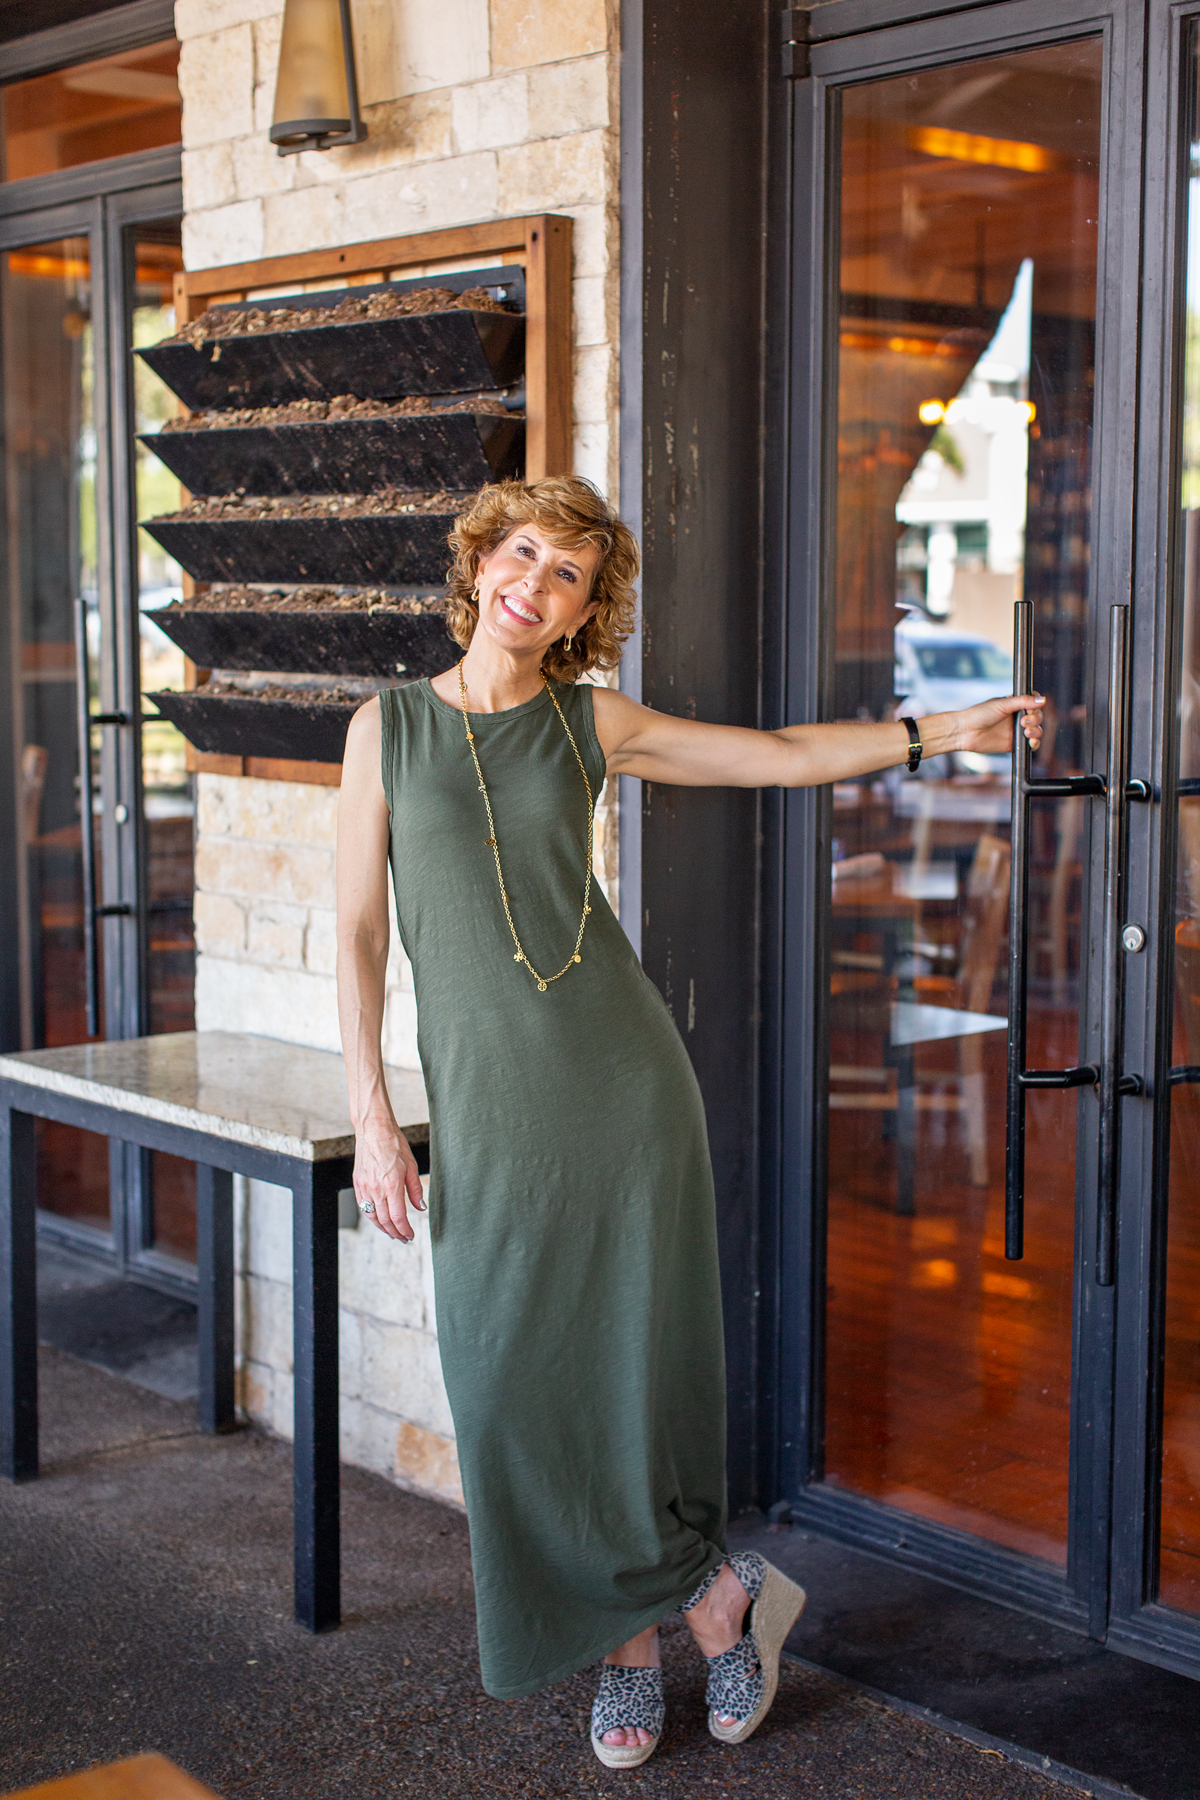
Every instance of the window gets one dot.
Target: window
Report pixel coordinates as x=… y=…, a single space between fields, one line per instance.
x=111 y=107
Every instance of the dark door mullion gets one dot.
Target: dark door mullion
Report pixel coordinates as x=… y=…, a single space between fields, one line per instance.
x=121 y=211
x=1171 y=1637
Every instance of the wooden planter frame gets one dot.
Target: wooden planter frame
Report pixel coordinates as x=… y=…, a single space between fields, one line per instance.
x=540 y=242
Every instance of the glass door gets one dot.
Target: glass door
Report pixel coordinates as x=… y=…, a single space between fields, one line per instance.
x=966 y=435
x=101 y=796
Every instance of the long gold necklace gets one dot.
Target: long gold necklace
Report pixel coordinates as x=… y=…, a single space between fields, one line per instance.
x=542 y=980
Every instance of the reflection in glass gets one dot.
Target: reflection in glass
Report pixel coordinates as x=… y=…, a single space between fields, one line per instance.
x=969 y=200
x=1179 y=1574
x=169 y=806
x=111 y=107
x=50 y=475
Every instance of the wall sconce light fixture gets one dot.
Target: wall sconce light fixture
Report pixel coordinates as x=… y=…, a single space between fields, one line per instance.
x=316 y=87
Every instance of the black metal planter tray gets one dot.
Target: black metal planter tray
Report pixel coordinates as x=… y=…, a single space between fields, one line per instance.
x=453 y=352
x=418 y=451
x=387 y=549
x=241 y=725
x=340 y=642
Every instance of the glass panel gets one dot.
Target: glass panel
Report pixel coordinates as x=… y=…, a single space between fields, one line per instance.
x=968 y=243
x=156 y=257
x=111 y=107
x=50 y=489
x=1179 y=1573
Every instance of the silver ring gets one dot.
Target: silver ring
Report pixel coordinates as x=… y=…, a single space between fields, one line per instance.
x=368 y=1206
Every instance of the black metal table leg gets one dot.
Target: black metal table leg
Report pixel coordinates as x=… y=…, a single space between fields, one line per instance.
x=18 y=1296
x=315 y=1358
x=214 y=1258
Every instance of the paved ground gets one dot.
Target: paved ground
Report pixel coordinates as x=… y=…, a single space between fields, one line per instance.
x=145 y=1604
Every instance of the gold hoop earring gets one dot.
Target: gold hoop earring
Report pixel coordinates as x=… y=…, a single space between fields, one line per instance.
x=569 y=639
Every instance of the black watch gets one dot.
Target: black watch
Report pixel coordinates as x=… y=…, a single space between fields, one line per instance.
x=914 y=745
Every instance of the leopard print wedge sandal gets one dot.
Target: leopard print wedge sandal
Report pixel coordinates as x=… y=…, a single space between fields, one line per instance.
x=627 y=1698
x=742 y=1681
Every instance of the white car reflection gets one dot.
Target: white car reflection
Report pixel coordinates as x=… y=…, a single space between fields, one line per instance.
x=942 y=670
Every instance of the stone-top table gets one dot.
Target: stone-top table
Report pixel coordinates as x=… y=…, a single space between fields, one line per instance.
x=231 y=1103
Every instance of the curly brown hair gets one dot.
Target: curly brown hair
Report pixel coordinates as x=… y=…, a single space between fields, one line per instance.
x=571 y=512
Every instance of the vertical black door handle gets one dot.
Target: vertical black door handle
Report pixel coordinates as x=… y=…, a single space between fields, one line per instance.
x=86 y=832
x=1025 y=788
x=1112 y=1084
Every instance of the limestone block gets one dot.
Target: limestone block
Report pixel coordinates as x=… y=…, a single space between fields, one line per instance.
x=275 y=812
x=595 y=238
x=220 y=925
x=216 y=79
x=568 y=96
x=422 y=198
x=400 y=1030
x=592 y=455
x=267 y=1243
x=282 y=1417
x=410 y=129
x=267 y=33
x=208 y=177
x=525 y=32
x=428 y=1461
x=410 y=46
x=254 y=1391
x=223 y=234
x=258 y=169
x=489 y=113
x=196 y=18
x=276 y=934
x=402 y=1374
x=269 y=1323
x=367 y=1436
x=554 y=173
x=594 y=384
x=383 y=1279
x=320 y=942
x=349 y=1353
x=594 y=305
x=307 y=218
x=288 y=1004
x=295 y=872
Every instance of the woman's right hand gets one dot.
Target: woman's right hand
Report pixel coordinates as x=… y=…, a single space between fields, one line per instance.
x=385 y=1175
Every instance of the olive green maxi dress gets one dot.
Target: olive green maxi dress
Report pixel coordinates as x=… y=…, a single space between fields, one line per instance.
x=571 y=1205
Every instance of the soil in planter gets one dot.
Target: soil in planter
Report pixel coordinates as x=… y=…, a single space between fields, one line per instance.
x=219 y=321
x=345 y=406
x=384 y=502
x=305 y=599
x=322 y=638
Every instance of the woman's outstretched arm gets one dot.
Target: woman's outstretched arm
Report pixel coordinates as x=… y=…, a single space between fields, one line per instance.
x=687 y=753
x=385 y=1169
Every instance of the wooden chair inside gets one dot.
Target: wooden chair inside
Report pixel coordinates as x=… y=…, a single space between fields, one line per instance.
x=149 y=1777
x=969 y=989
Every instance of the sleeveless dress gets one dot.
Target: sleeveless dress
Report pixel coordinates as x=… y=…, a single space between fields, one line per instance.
x=571 y=1205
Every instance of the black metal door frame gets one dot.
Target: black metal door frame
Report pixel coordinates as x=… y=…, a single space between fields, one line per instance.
x=855 y=40
x=101 y=201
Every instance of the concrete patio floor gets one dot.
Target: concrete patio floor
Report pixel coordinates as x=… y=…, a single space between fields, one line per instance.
x=145 y=1603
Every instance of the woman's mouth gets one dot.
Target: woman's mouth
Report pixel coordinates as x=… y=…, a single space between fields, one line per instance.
x=520 y=610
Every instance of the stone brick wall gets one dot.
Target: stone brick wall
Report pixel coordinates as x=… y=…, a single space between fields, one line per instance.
x=476 y=109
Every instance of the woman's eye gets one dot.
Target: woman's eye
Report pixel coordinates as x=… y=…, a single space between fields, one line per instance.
x=568 y=575
x=524 y=550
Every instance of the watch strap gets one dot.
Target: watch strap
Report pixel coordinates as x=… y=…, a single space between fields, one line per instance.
x=914 y=745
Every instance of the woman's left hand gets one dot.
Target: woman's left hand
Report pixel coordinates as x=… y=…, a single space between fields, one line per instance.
x=988 y=727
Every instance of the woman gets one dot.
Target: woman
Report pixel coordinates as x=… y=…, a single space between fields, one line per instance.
x=572 y=1214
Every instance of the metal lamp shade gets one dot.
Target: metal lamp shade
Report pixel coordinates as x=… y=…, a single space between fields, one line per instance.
x=316 y=90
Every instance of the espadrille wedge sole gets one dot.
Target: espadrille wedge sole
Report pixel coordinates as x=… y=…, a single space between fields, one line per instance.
x=627 y=1698
x=774 y=1609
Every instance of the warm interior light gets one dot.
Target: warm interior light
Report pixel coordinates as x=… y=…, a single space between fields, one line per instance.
x=964 y=146
x=316 y=89
x=1029 y=409
x=931 y=412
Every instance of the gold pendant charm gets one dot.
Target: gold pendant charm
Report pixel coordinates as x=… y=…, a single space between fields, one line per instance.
x=490 y=842
x=518 y=957
x=577 y=957
x=541 y=987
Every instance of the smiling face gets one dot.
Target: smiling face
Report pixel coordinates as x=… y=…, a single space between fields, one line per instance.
x=533 y=592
